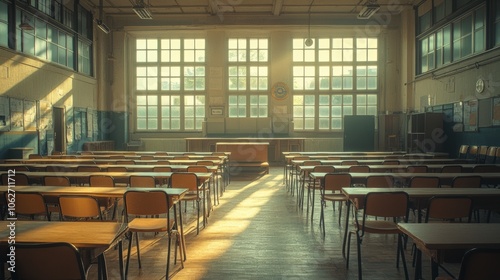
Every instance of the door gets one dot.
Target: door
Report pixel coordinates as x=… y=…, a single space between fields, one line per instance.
x=359 y=133
x=59 y=130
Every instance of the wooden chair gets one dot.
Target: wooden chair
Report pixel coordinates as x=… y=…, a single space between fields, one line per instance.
x=136 y=181
x=480 y=263
x=473 y=152
x=449 y=208
x=144 y=157
x=189 y=181
x=490 y=155
x=293 y=173
x=466 y=182
x=79 y=208
x=421 y=182
x=359 y=169
x=20 y=179
x=390 y=162
x=314 y=185
x=417 y=169
x=451 y=169
x=156 y=204
x=205 y=187
x=106 y=202
x=86 y=168
x=331 y=190
x=482 y=153
x=48 y=261
x=376 y=205
x=61 y=181
x=462 y=152
x=380 y=181
x=497 y=156
x=31 y=204
x=349 y=162
x=486 y=168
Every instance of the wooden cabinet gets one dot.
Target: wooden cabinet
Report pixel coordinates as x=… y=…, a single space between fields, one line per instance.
x=425 y=132
x=276 y=145
x=391 y=132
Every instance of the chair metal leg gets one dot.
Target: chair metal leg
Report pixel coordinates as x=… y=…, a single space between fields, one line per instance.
x=360 y=270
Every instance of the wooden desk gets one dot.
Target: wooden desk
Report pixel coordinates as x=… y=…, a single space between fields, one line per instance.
x=479 y=196
x=434 y=238
x=246 y=154
x=91 y=238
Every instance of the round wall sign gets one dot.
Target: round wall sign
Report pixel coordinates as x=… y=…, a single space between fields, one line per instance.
x=479 y=85
x=279 y=91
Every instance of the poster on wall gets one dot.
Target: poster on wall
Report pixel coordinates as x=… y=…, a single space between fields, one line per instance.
x=496 y=111
x=470 y=115
x=16 y=114
x=29 y=115
x=4 y=114
x=457 y=112
x=90 y=122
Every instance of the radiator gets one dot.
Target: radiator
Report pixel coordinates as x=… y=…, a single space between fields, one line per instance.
x=164 y=144
x=323 y=144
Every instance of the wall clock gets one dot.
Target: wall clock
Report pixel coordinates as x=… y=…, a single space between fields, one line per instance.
x=279 y=91
x=479 y=85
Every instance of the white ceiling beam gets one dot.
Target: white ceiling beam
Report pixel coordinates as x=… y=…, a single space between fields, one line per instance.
x=277 y=5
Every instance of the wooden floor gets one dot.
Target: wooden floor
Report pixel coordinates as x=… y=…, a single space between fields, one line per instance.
x=258 y=232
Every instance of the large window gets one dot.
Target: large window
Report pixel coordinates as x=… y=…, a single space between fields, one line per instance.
x=170 y=84
x=4 y=23
x=248 y=77
x=464 y=37
x=497 y=24
x=332 y=78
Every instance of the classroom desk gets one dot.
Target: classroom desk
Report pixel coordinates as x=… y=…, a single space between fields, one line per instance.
x=400 y=168
x=478 y=195
x=433 y=239
x=91 y=238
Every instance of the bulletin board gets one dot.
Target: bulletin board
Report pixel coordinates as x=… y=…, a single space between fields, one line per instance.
x=496 y=111
x=16 y=114
x=484 y=112
x=470 y=115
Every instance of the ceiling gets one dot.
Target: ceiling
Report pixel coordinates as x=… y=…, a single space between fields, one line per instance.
x=256 y=9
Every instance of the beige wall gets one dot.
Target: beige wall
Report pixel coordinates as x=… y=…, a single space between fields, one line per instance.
x=32 y=79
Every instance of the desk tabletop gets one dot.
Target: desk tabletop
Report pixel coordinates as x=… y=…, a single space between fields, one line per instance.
x=80 y=234
x=442 y=236
x=352 y=193
x=91 y=191
x=74 y=174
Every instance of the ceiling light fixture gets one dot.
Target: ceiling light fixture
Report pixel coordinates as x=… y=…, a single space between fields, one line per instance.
x=25 y=24
x=142 y=11
x=369 y=10
x=309 y=41
x=104 y=28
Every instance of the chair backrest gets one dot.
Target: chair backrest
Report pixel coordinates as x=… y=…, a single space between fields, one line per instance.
x=473 y=152
x=163 y=162
x=490 y=155
x=424 y=182
x=323 y=168
x=116 y=169
x=198 y=168
x=481 y=154
x=142 y=181
x=466 y=182
x=312 y=162
x=56 y=181
x=138 y=202
x=379 y=181
x=451 y=169
x=162 y=169
x=462 y=152
x=55 y=168
x=31 y=204
x=376 y=204
x=181 y=157
x=88 y=168
x=20 y=179
x=125 y=162
x=359 y=169
x=79 y=207
x=205 y=162
x=186 y=180
x=391 y=162
x=480 y=263
x=486 y=168
x=35 y=156
x=449 y=208
x=336 y=181
x=350 y=162
x=101 y=181
x=144 y=157
x=56 y=261
x=417 y=169
x=497 y=156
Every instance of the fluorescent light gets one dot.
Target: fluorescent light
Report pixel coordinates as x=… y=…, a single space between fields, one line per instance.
x=142 y=12
x=368 y=11
x=25 y=25
x=103 y=26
